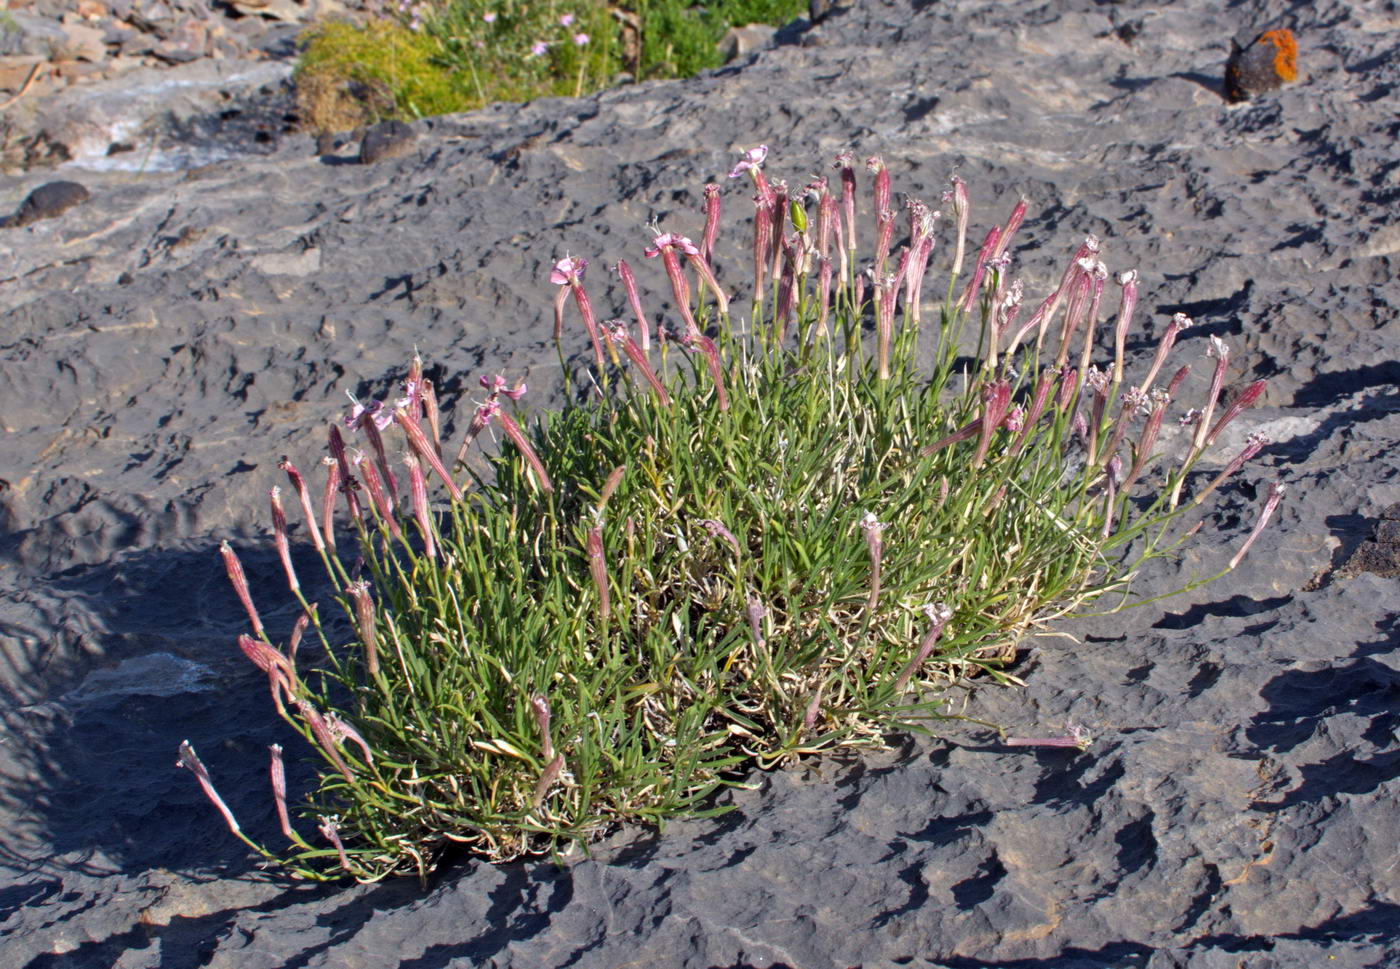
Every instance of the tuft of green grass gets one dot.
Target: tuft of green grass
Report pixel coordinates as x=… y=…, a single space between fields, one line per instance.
x=745 y=541
x=458 y=55
x=352 y=75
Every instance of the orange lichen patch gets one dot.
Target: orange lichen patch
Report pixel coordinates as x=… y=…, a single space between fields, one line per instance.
x=1286 y=53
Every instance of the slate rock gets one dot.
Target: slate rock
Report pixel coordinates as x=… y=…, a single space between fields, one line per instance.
x=47 y=201
x=388 y=139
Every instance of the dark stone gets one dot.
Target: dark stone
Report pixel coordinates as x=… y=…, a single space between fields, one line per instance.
x=388 y=139
x=47 y=201
x=1266 y=63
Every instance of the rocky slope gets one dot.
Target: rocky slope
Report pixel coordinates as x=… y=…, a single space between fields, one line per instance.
x=167 y=339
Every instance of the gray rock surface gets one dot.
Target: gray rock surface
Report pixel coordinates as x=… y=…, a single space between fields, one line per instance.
x=140 y=109
x=164 y=343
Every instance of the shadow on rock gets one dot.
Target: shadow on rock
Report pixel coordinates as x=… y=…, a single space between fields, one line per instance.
x=1307 y=708
x=111 y=667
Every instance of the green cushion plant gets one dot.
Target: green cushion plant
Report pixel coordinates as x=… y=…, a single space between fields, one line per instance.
x=742 y=542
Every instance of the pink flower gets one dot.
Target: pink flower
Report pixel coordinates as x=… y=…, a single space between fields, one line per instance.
x=239 y=581
x=629 y=283
x=996 y=402
x=364 y=608
x=957 y=195
x=567 y=272
x=618 y=334
x=489 y=17
x=1276 y=493
x=279 y=528
x=491 y=409
x=1077 y=737
x=497 y=386
x=566 y=20
x=376 y=410
x=707 y=239
x=568 y=275
x=580 y=39
x=540 y=708
x=665 y=246
x=539 y=49
x=598 y=569
x=279 y=791
x=330 y=830
x=752 y=161
x=191 y=762
x=938 y=615
x=873 y=527
x=304 y=496
x=670 y=239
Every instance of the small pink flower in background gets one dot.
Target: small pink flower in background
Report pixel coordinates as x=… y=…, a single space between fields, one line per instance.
x=539 y=49
x=566 y=20
x=284 y=548
x=489 y=17
x=752 y=161
x=757 y=613
x=580 y=39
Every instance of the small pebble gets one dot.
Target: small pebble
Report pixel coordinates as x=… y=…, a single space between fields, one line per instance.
x=388 y=139
x=47 y=201
x=1266 y=63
